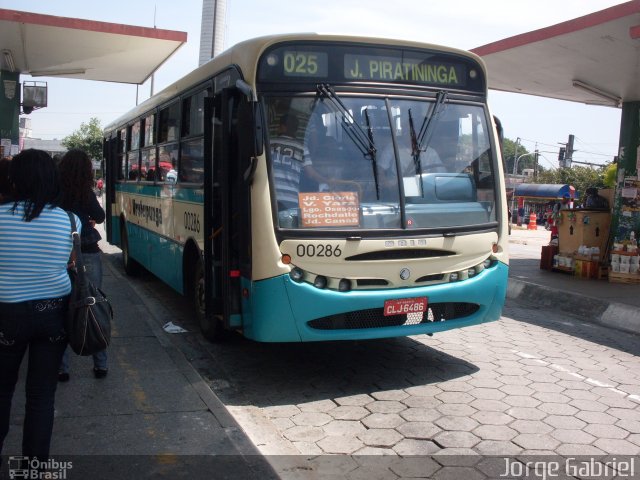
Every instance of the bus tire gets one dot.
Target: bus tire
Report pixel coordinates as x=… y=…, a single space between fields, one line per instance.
x=211 y=326
x=131 y=267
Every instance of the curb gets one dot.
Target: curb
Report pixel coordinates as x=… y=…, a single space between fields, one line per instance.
x=226 y=421
x=257 y=440
x=609 y=314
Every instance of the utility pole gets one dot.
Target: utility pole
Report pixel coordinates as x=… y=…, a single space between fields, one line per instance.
x=535 y=162
x=515 y=155
x=569 y=155
x=151 y=91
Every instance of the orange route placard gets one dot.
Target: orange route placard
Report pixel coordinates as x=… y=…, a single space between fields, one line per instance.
x=329 y=209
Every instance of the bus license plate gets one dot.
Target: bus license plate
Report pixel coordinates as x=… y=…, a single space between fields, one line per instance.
x=405 y=305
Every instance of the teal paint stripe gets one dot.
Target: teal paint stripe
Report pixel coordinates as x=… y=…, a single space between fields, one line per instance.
x=159 y=255
x=282 y=308
x=116 y=238
x=183 y=194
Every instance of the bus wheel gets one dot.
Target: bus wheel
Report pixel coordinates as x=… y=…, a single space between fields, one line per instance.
x=131 y=267
x=212 y=326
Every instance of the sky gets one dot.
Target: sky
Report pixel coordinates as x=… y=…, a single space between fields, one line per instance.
x=464 y=24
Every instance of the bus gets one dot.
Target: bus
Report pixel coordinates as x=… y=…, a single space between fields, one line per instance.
x=317 y=187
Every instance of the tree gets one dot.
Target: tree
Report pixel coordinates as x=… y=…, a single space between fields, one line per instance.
x=611 y=175
x=508 y=151
x=579 y=177
x=88 y=138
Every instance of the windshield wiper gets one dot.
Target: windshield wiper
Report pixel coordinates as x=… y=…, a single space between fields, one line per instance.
x=415 y=153
x=353 y=130
x=361 y=139
x=420 y=142
x=430 y=121
x=374 y=163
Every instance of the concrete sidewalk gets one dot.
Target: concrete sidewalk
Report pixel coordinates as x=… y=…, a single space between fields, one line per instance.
x=611 y=304
x=153 y=416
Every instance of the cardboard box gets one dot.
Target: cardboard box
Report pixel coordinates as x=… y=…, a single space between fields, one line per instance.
x=607 y=193
x=587 y=227
x=546 y=256
x=586 y=269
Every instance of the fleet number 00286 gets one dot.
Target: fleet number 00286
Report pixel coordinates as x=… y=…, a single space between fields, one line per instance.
x=321 y=250
x=192 y=222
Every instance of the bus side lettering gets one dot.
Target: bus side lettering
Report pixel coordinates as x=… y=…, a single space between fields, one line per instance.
x=149 y=213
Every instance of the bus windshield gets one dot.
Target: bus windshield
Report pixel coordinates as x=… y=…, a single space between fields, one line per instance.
x=364 y=162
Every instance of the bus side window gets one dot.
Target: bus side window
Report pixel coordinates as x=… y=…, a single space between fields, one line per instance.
x=168 y=161
x=122 y=167
x=134 y=167
x=192 y=161
x=122 y=157
x=148 y=164
x=192 y=145
x=168 y=123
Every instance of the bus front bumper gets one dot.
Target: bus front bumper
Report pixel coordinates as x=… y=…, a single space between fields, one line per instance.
x=281 y=310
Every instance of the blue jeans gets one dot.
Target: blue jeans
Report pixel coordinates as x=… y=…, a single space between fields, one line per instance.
x=38 y=325
x=93 y=265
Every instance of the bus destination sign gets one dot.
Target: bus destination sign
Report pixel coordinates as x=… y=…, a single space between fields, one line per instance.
x=339 y=63
x=304 y=64
x=401 y=69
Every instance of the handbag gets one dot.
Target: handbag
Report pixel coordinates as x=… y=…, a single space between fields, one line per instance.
x=92 y=237
x=88 y=322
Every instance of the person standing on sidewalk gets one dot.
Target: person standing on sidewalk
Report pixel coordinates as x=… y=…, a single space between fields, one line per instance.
x=76 y=177
x=35 y=244
x=5 y=187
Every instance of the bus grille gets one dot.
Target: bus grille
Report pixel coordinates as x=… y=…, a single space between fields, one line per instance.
x=374 y=317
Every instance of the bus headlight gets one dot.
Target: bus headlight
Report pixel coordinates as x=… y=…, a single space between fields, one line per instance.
x=296 y=275
x=487 y=263
x=453 y=277
x=471 y=272
x=320 y=282
x=344 y=285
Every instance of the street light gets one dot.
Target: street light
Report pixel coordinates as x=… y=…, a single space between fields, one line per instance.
x=515 y=165
x=515 y=153
x=515 y=172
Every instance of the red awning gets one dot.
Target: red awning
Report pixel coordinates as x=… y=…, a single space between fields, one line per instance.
x=46 y=45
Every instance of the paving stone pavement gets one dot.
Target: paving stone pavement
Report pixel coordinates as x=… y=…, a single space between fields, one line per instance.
x=535 y=382
x=502 y=388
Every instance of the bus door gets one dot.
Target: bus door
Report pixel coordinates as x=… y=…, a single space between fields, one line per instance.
x=227 y=211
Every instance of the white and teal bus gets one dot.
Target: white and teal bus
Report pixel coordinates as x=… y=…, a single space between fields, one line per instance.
x=310 y=187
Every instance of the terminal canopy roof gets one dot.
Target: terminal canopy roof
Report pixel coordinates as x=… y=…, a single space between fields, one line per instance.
x=46 y=45
x=591 y=59
x=545 y=190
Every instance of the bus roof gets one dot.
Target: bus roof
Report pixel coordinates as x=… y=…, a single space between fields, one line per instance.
x=246 y=55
